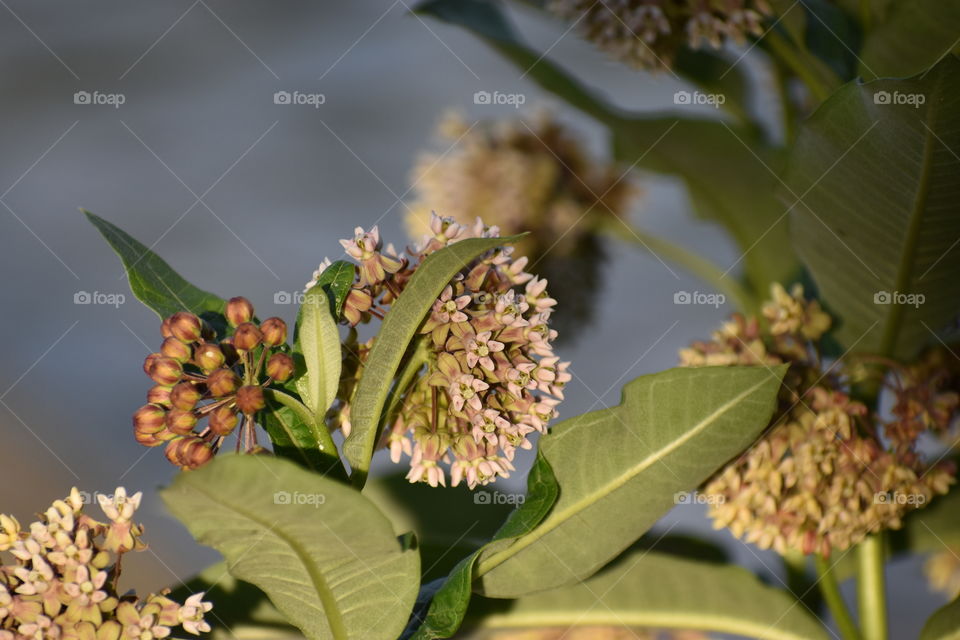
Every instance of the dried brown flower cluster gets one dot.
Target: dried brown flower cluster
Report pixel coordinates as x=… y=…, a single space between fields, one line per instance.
x=482 y=376
x=526 y=176
x=198 y=378
x=648 y=33
x=62 y=583
x=829 y=471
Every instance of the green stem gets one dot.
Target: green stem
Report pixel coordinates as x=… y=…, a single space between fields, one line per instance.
x=830 y=589
x=817 y=77
x=317 y=427
x=698 y=266
x=871 y=589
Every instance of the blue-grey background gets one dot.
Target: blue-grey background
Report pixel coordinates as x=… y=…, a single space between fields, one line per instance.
x=244 y=196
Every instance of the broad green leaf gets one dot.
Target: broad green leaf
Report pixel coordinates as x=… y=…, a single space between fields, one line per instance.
x=944 y=624
x=649 y=589
x=396 y=332
x=450 y=600
x=318 y=339
x=325 y=556
x=336 y=280
x=879 y=209
x=296 y=434
x=619 y=470
x=728 y=182
x=152 y=280
x=915 y=35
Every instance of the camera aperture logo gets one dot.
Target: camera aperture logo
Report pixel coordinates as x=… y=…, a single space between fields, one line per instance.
x=496 y=497
x=899 y=298
x=715 y=100
x=912 y=499
x=109 y=299
x=99 y=98
x=511 y=99
x=299 y=499
x=299 y=98
x=715 y=300
x=290 y=297
x=914 y=100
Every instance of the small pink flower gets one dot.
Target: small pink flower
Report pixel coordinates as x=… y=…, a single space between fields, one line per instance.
x=479 y=348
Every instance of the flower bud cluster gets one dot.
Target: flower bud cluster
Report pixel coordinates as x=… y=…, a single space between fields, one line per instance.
x=828 y=471
x=205 y=390
x=480 y=378
x=647 y=34
x=63 y=576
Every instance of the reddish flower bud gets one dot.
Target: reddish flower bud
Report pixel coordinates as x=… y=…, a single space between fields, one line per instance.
x=149 y=360
x=250 y=399
x=274 y=331
x=159 y=395
x=280 y=367
x=149 y=425
x=222 y=382
x=247 y=336
x=239 y=310
x=185 y=396
x=206 y=332
x=166 y=371
x=229 y=352
x=185 y=327
x=181 y=422
x=189 y=453
x=165 y=328
x=208 y=356
x=173 y=348
x=223 y=420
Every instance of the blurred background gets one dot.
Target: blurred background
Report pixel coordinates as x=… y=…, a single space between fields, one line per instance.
x=244 y=196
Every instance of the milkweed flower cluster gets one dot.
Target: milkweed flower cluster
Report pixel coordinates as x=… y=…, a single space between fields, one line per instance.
x=62 y=582
x=829 y=471
x=647 y=34
x=205 y=390
x=530 y=176
x=942 y=570
x=481 y=377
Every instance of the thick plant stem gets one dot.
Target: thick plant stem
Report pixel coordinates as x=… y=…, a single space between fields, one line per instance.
x=698 y=266
x=831 y=595
x=871 y=588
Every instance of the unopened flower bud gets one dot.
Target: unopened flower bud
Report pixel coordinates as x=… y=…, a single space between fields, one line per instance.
x=166 y=371
x=185 y=326
x=149 y=425
x=189 y=453
x=223 y=420
x=229 y=352
x=274 y=331
x=280 y=367
x=185 y=396
x=247 y=337
x=222 y=382
x=208 y=356
x=173 y=348
x=160 y=395
x=181 y=422
x=250 y=399
x=239 y=310
x=149 y=360
x=165 y=328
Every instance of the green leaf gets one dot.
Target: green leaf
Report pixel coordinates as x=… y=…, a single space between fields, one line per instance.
x=620 y=469
x=152 y=280
x=326 y=557
x=336 y=280
x=655 y=590
x=397 y=330
x=297 y=435
x=450 y=601
x=915 y=35
x=880 y=208
x=728 y=182
x=944 y=624
x=318 y=339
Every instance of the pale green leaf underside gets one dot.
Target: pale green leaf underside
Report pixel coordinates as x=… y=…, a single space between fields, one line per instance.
x=655 y=590
x=398 y=329
x=619 y=470
x=152 y=280
x=319 y=341
x=335 y=569
x=896 y=231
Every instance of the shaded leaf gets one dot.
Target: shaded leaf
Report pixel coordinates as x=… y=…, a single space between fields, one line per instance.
x=944 y=624
x=298 y=436
x=336 y=280
x=894 y=233
x=326 y=557
x=914 y=36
